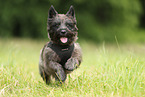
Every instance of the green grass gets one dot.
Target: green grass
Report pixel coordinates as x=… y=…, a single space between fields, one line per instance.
x=106 y=70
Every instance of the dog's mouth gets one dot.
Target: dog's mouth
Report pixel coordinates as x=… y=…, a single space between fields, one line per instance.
x=64 y=39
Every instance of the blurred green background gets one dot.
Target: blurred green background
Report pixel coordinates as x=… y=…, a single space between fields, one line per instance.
x=98 y=20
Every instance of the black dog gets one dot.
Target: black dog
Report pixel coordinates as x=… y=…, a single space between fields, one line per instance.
x=61 y=55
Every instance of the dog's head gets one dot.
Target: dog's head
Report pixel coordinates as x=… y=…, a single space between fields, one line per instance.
x=62 y=28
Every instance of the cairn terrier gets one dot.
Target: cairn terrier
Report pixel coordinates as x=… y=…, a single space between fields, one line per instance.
x=61 y=55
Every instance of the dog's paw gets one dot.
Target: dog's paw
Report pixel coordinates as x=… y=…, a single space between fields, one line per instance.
x=71 y=64
x=60 y=76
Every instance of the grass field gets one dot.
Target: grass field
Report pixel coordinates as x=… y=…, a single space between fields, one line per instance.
x=106 y=71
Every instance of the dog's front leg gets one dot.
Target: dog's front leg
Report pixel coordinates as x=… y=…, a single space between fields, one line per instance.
x=59 y=71
x=71 y=64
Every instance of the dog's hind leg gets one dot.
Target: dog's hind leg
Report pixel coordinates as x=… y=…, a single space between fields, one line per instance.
x=45 y=76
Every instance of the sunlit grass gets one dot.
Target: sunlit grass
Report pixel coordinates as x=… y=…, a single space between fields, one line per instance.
x=106 y=70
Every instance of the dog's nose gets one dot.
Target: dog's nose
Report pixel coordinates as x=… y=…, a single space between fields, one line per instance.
x=63 y=32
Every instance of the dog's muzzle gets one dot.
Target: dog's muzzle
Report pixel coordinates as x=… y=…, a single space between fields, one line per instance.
x=63 y=32
x=63 y=37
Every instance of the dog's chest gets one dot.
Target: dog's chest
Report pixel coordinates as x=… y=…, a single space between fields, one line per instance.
x=64 y=52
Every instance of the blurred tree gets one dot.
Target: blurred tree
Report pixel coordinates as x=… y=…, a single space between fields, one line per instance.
x=142 y=20
x=97 y=20
x=104 y=19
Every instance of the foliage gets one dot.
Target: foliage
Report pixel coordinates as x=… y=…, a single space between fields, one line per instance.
x=97 y=20
x=107 y=70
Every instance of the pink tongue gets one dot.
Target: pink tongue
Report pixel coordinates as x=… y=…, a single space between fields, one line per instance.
x=63 y=39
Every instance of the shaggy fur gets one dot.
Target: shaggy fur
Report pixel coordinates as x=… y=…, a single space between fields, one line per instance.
x=61 y=55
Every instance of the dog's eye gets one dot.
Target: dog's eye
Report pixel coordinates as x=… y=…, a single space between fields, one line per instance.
x=56 y=24
x=71 y=25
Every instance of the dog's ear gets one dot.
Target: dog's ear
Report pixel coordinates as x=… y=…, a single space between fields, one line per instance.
x=52 y=12
x=71 y=12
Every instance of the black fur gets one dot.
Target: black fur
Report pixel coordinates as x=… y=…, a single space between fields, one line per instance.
x=61 y=55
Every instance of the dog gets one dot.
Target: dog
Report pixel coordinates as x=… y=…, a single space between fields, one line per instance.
x=61 y=55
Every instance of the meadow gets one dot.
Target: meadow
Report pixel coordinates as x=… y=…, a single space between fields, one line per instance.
x=107 y=70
